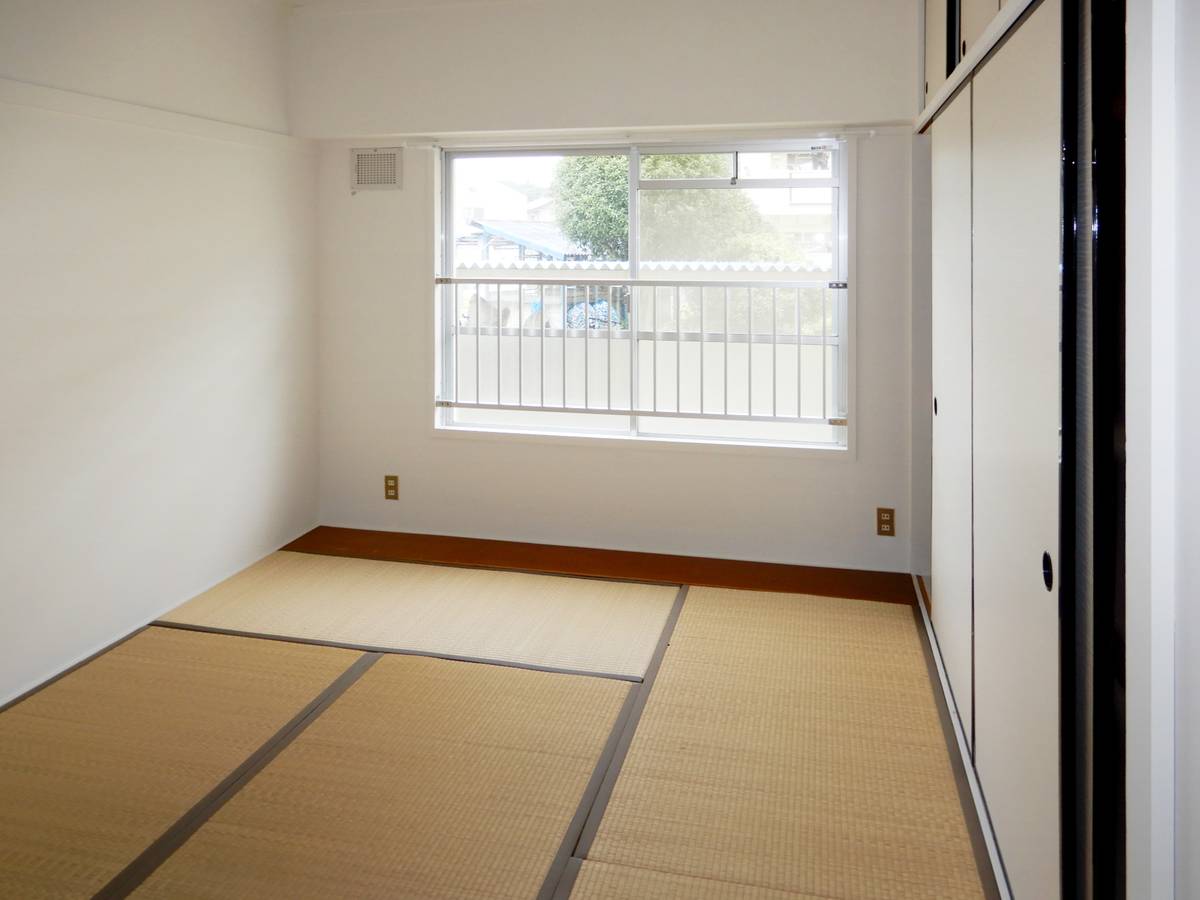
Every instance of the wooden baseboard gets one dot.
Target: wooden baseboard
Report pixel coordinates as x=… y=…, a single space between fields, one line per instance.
x=925 y=594
x=889 y=587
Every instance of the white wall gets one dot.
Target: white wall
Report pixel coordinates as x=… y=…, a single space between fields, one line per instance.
x=157 y=350
x=434 y=67
x=1187 y=795
x=219 y=59
x=1153 y=393
x=376 y=265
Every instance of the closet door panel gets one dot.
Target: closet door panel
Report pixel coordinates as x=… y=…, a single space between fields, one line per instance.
x=976 y=16
x=1017 y=386
x=950 y=581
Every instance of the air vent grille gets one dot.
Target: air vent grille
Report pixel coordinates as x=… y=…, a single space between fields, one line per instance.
x=376 y=168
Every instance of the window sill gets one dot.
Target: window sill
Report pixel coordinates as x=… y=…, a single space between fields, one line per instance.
x=653 y=443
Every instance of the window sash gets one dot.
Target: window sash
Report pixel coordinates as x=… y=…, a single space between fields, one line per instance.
x=837 y=415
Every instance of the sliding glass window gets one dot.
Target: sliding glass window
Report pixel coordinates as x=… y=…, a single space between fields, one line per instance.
x=693 y=294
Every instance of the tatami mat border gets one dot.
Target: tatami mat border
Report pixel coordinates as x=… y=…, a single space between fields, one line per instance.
x=566 y=884
x=69 y=669
x=591 y=808
x=571 y=837
x=128 y=879
x=399 y=651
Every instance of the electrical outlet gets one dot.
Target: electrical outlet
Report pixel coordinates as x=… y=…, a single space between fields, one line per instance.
x=885 y=521
x=391 y=487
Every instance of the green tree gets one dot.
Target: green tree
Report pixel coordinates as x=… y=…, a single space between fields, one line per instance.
x=592 y=198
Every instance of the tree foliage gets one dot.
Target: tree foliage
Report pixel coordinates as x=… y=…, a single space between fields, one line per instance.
x=592 y=198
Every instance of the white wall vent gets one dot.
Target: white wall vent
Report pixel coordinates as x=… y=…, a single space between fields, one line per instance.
x=376 y=169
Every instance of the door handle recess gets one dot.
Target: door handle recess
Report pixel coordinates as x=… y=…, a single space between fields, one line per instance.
x=1048 y=570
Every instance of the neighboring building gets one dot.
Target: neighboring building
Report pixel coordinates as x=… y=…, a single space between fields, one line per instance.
x=543 y=210
x=508 y=240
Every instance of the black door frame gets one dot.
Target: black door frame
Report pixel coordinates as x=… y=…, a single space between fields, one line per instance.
x=1092 y=499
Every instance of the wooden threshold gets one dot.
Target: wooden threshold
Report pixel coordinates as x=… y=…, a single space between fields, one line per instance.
x=550 y=559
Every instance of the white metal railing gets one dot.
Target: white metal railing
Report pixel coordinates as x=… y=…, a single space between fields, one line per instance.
x=695 y=349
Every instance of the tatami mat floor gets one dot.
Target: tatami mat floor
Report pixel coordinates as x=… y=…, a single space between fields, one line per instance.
x=604 y=881
x=780 y=747
x=428 y=778
x=577 y=624
x=96 y=766
x=793 y=742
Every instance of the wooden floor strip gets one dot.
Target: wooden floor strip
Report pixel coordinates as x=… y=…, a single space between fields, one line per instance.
x=655 y=568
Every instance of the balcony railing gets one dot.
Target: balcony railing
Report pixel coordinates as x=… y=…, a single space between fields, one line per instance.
x=743 y=350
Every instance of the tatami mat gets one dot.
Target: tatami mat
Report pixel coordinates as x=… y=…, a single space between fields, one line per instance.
x=602 y=881
x=569 y=623
x=792 y=742
x=94 y=767
x=426 y=779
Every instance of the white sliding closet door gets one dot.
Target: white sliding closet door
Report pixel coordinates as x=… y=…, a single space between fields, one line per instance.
x=975 y=17
x=1016 y=164
x=950 y=581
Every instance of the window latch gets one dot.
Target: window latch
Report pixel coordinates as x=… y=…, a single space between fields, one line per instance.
x=838 y=285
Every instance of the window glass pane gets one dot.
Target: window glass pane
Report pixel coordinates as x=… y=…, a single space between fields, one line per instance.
x=755 y=227
x=539 y=211
x=687 y=165
x=787 y=164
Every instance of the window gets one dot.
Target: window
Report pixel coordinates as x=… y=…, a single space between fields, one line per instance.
x=685 y=294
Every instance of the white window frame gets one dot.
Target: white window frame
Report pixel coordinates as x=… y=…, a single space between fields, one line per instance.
x=844 y=271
